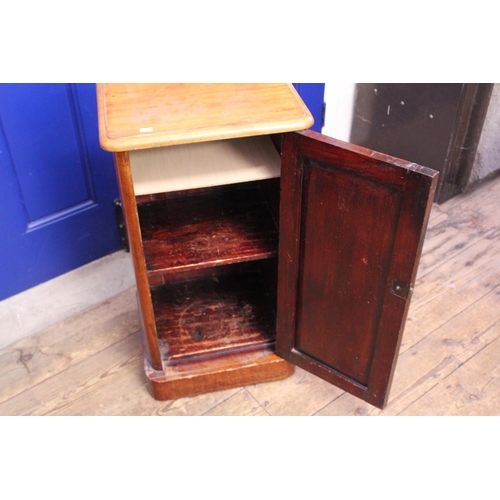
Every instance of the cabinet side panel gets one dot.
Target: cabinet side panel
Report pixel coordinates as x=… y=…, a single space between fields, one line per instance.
x=127 y=195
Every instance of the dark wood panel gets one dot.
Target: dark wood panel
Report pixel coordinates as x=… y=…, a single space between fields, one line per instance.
x=212 y=316
x=211 y=228
x=352 y=226
x=348 y=230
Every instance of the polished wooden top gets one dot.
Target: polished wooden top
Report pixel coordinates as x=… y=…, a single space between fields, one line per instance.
x=140 y=116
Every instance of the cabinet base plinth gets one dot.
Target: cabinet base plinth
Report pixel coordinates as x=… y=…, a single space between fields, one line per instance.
x=217 y=374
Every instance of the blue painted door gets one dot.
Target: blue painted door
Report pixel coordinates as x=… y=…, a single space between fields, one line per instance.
x=57 y=185
x=313 y=95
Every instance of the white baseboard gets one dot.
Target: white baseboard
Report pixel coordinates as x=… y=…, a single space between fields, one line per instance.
x=36 y=309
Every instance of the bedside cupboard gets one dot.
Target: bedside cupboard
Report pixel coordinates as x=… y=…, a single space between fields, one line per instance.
x=258 y=245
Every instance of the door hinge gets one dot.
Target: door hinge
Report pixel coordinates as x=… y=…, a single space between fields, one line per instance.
x=120 y=220
x=401 y=289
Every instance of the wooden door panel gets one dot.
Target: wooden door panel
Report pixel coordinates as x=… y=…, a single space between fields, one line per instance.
x=352 y=224
x=353 y=246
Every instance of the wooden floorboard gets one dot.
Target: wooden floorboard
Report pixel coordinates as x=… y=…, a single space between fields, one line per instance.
x=449 y=362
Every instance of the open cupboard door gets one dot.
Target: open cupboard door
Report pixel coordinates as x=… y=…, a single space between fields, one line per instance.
x=352 y=226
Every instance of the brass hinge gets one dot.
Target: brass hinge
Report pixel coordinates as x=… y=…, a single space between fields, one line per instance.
x=120 y=220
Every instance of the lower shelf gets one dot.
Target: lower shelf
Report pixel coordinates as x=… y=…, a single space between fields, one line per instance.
x=213 y=316
x=217 y=332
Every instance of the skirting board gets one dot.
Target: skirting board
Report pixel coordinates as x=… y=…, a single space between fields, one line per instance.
x=34 y=310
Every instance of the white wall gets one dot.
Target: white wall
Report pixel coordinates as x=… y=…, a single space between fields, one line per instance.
x=339 y=98
x=487 y=158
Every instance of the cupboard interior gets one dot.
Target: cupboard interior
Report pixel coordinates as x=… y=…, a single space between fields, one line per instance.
x=212 y=257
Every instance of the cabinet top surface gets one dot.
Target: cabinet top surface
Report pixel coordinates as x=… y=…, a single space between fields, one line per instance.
x=139 y=116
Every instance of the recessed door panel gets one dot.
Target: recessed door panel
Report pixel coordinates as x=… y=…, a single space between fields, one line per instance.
x=348 y=226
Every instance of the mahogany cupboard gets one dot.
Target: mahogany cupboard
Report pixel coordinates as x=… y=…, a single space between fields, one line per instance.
x=257 y=245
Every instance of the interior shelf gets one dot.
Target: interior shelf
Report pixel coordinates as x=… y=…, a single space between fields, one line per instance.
x=213 y=316
x=211 y=228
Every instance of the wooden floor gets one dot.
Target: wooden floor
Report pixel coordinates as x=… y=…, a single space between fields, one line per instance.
x=449 y=362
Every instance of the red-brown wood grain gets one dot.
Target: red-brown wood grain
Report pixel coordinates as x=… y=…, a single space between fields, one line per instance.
x=236 y=369
x=210 y=317
x=125 y=183
x=211 y=228
x=352 y=227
